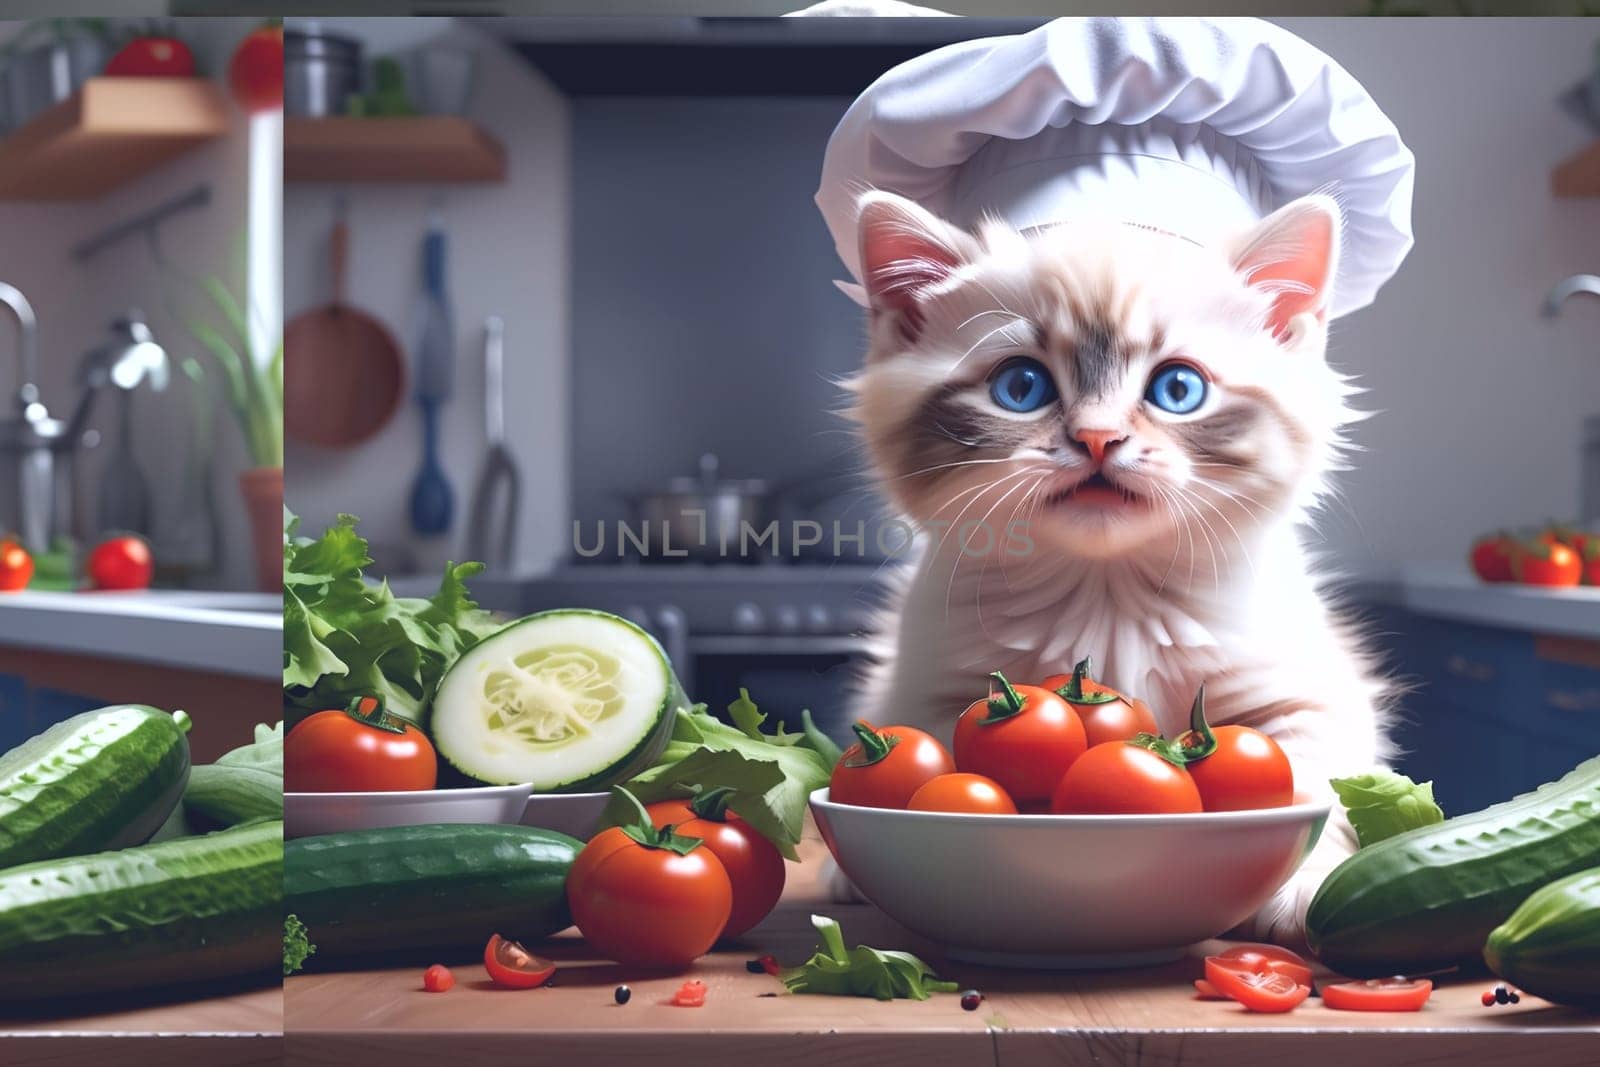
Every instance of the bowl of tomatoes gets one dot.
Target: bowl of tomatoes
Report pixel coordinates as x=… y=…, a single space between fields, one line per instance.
x=1061 y=830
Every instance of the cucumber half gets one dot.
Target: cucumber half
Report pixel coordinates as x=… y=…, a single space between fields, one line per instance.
x=569 y=701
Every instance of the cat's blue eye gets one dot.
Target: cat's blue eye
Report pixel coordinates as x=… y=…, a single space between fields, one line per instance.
x=1177 y=388
x=1023 y=385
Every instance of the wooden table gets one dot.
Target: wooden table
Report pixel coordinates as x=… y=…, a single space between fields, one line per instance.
x=1146 y=1016
x=222 y=1027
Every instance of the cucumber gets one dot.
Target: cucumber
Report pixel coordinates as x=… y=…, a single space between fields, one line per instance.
x=569 y=701
x=196 y=909
x=1551 y=944
x=1428 y=898
x=227 y=796
x=409 y=892
x=101 y=780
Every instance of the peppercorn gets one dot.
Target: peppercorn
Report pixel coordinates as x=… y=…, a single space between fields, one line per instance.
x=1502 y=995
x=970 y=1000
x=754 y=966
x=623 y=994
x=1515 y=999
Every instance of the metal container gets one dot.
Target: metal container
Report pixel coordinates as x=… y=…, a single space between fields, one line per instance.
x=702 y=517
x=35 y=79
x=320 y=72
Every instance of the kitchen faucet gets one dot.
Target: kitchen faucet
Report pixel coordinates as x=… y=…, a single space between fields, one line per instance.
x=1589 y=464
x=1566 y=287
x=27 y=346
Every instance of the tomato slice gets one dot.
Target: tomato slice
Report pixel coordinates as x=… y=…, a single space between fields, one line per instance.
x=514 y=967
x=691 y=994
x=1204 y=990
x=1264 y=992
x=1264 y=958
x=1378 y=994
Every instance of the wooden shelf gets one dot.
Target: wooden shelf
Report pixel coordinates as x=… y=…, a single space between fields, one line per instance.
x=113 y=131
x=1579 y=175
x=433 y=149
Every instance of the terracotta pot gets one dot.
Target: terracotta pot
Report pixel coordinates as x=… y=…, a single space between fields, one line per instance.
x=263 y=499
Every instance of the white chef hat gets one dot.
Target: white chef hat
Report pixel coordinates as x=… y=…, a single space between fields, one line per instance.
x=1195 y=126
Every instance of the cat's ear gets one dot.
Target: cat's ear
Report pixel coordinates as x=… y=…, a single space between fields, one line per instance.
x=1293 y=255
x=905 y=250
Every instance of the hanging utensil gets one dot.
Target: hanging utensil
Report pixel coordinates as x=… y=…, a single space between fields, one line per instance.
x=432 y=502
x=492 y=535
x=343 y=375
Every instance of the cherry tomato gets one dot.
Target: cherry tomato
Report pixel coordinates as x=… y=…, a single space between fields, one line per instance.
x=886 y=766
x=1591 y=562
x=255 y=73
x=691 y=994
x=514 y=967
x=1378 y=994
x=1540 y=563
x=1023 y=736
x=1235 y=767
x=1491 y=558
x=16 y=567
x=1270 y=992
x=649 y=898
x=152 y=57
x=1119 y=778
x=361 y=749
x=1107 y=715
x=754 y=866
x=121 y=563
x=1265 y=958
x=438 y=979
x=970 y=793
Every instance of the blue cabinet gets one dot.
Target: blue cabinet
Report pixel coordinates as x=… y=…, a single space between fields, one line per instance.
x=1485 y=715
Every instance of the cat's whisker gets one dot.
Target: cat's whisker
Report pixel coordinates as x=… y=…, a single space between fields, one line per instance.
x=1244 y=548
x=993 y=544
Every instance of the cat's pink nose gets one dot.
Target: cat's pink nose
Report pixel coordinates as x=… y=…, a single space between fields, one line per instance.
x=1099 y=442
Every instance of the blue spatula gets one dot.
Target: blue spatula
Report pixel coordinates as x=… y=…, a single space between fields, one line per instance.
x=432 y=502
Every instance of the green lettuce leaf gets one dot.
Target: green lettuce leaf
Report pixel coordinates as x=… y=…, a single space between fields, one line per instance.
x=861 y=971
x=344 y=636
x=1382 y=804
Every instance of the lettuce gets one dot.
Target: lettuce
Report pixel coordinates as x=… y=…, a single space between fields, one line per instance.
x=344 y=636
x=862 y=972
x=1382 y=804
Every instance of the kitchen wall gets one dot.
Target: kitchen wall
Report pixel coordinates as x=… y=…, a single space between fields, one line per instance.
x=508 y=256
x=76 y=302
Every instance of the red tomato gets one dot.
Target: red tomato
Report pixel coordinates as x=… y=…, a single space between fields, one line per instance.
x=1107 y=715
x=1591 y=562
x=1118 y=778
x=121 y=563
x=1269 y=958
x=1270 y=992
x=1234 y=767
x=886 y=766
x=1378 y=994
x=16 y=567
x=754 y=866
x=649 y=898
x=1491 y=558
x=438 y=979
x=1539 y=563
x=514 y=967
x=152 y=57
x=970 y=793
x=1024 y=737
x=255 y=73
x=691 y=994
x=361 y=749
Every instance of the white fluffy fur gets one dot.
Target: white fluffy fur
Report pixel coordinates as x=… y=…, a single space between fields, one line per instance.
x=1212 y=582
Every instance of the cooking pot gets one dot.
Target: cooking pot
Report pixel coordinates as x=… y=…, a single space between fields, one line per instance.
x=702 y=516
x=34 y=79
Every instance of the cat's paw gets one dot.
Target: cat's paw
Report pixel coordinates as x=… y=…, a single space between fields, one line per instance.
x=1282 y=920
x=841 y=890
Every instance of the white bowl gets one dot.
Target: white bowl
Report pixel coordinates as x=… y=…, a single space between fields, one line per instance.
x=574 y=814
x=309 y=814
x=1068 y=890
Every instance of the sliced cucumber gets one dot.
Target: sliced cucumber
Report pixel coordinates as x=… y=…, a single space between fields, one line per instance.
x=568 y=700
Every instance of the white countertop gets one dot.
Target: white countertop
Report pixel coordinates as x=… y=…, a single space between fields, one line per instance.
x=1452 y=592
x=229 y=633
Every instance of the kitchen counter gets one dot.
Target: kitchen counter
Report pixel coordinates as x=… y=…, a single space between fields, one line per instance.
x=227 y=633
x=1450 y=591
x=383 y=1019
x=241 y=1028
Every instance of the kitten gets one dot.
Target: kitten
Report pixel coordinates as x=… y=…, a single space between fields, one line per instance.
x=1160 y=418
